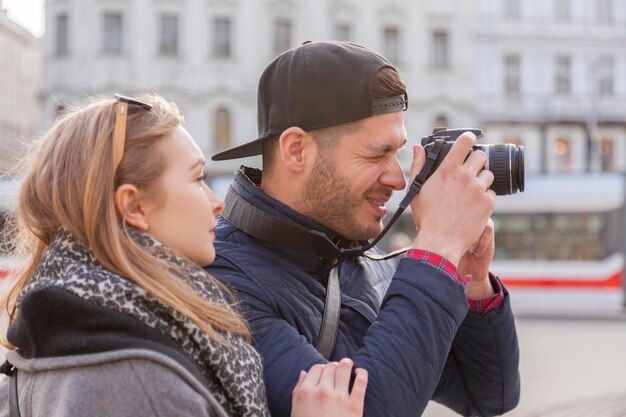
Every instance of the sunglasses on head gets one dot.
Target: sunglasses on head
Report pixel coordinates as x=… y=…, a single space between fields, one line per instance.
x=119 y=131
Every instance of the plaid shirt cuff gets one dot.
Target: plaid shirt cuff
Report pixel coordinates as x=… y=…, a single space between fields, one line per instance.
x=440 y=264
x=484 y=306
x=480 y=307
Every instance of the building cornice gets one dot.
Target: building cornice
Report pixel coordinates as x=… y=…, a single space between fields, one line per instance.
x=17 y=32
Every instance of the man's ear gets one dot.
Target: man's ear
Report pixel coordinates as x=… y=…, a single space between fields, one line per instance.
x=296 y=148
x=129 y=207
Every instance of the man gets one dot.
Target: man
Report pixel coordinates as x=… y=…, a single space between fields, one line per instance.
x=330 y=118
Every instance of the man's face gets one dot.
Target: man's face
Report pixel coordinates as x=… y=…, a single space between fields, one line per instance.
x=353 y=178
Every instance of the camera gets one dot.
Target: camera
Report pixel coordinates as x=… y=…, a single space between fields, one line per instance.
x=504 y=160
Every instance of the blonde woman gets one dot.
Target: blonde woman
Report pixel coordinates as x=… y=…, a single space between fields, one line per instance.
x=112 y=315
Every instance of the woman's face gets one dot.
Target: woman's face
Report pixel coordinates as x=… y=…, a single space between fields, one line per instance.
x=182 y=213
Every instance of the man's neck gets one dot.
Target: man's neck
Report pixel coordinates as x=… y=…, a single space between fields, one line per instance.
x=280 y=190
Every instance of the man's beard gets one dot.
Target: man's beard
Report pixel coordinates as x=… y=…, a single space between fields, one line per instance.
x=329 y=199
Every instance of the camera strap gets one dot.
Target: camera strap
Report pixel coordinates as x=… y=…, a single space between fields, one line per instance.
x=263 y=226
x=330 y=320
x=414 y=189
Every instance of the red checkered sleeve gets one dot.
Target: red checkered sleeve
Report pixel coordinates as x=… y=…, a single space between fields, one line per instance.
x=492 y=302
x=440 y=263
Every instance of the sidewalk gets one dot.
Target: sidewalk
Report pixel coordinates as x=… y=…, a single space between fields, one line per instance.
x=569 y=367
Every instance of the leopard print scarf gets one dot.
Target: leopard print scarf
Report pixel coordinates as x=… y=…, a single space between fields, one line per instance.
x=234 y=375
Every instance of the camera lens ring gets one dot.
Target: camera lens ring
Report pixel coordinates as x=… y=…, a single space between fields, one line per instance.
x=520 y=168
x=505 y=161
x=510 y=169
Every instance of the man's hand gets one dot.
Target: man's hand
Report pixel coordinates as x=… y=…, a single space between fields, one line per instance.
x=455 y=203
x=476 y=262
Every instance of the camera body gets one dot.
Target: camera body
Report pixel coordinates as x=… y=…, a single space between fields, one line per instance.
x=504 y=160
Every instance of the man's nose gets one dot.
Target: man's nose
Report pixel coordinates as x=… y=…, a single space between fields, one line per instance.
x=394 y=176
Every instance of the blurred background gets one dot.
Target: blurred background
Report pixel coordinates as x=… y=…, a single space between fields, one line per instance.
x=549 y=75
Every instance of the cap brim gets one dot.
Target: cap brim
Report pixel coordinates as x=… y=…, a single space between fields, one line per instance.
x=242 y=151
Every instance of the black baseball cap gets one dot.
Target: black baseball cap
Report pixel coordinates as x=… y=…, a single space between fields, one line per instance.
x=316 y=85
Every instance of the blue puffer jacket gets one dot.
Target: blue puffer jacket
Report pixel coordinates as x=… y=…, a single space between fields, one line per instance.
x=406 y=323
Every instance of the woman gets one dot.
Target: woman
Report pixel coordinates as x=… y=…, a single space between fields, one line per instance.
x=112 y=315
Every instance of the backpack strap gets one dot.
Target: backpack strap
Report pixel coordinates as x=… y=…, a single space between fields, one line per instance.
x=11 y=371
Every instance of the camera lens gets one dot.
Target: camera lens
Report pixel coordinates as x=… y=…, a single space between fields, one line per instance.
x=506 y=162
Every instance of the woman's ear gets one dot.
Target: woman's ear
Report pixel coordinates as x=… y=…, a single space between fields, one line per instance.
x=129 y=207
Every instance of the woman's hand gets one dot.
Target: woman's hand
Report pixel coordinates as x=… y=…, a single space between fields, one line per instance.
x=324 y=391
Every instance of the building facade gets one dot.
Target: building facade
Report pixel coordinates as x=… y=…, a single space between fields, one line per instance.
x=20 y=76
x=550 y=75
x=208 y=55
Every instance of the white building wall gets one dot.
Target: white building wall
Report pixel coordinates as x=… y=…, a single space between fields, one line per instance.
x=201 y=83
x=538 y=37
x=469 y=92
x=20 y=72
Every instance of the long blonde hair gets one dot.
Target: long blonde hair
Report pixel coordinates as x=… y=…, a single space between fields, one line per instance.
x=69 y=181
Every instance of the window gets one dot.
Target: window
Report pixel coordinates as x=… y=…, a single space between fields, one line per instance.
x=440 y=49
x=512 y=9
x=512 y=75
x=562 y=82
x=342 y=32
x=61 y=38
x=604 y=77
x=113 y=33
x=58 y=111
x=282 y=35
x=562 y=10
x=221 y=37
x=557 y=236
x=563 y=155
x=604 y=11
x=512 y=232
x=607 y=154
x=168 y=44
x=222 y=129
x=392 y=43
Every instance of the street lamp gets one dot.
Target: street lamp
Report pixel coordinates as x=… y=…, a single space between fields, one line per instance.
x=592 y=120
